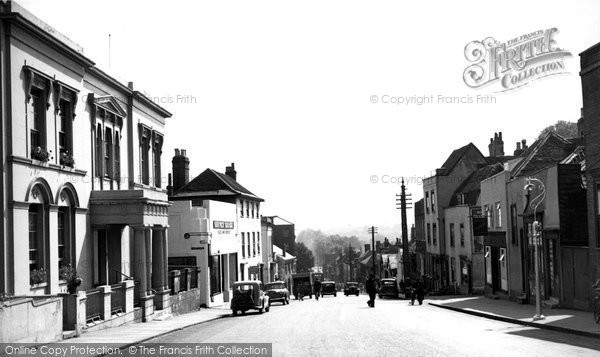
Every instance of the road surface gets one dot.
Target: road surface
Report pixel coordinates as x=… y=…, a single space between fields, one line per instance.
x=346 y=326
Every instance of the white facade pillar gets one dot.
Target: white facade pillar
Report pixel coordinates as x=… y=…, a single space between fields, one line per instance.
x=53 y=249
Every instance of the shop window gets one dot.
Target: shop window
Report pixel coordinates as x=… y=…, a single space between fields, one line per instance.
x=215 y=274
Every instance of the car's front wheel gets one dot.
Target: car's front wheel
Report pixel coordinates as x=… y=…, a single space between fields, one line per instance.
x=234 y=312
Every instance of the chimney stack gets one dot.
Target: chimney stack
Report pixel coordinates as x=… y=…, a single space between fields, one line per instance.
x=580 y=125
x=230 y=171
x=496 y=146
x=169 y=185
x=181 y=169
x=518 y=150
x=367 y=247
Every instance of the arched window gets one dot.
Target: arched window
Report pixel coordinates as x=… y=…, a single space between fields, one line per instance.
x=39 y=197
x=67 y=201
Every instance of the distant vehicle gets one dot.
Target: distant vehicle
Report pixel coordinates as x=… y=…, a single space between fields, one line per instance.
x=328 y=288
x=277 y=291
x=388 y=288
x=351 y=288
x=249 y=295
x=303 y=285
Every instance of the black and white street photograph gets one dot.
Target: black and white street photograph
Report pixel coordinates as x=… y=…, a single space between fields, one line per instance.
x=194 y=178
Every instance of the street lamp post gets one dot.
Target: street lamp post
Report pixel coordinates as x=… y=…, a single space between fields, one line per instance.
x=535 y=233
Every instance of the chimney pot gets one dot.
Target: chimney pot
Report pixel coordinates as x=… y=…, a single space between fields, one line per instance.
x=130 y=85
x=230 y=171
x=181 y=169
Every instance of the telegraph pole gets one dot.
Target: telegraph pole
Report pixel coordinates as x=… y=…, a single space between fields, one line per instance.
x=402 y=205
x=373 y=230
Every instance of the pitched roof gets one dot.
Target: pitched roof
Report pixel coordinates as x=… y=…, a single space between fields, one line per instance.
x=213 y=183
x=455 y=158
x=471 y=187
x=548 y=150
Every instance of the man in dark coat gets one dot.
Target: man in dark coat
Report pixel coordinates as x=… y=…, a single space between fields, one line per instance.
x=420 y=292
x=317 y=286
x=371 y=286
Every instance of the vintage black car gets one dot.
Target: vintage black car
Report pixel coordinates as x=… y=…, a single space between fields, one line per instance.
x=388 y=288
x=249 y=295
x=328 y=288
x=351 y=288
x=278 y=291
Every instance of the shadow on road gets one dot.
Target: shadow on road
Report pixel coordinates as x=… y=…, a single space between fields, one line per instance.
x=557 y=337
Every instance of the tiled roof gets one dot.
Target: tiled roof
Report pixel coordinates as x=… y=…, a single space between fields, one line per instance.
x=455 y=157
x=215 y=182
x=547 y=151
x=471 y=187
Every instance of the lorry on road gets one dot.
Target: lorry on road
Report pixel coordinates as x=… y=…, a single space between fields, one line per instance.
x=303 y=285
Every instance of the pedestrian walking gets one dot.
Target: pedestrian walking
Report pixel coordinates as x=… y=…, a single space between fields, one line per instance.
x=420 y=292
x=317 y=289
x=371 y=286
x=413 y=294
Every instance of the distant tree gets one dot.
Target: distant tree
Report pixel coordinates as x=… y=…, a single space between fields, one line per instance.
x=566 y=129
x=304 y=258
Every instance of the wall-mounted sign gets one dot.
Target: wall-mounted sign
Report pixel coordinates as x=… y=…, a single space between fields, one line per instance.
x=222 y=225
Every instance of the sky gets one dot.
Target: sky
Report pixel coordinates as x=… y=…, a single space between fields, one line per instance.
x=298 y=94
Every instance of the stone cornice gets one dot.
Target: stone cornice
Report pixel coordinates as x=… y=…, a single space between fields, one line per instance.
x=27 y=25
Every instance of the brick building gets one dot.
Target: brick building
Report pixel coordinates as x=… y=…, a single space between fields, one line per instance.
x=590 y=83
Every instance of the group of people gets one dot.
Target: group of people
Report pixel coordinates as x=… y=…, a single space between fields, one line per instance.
x=416 y=291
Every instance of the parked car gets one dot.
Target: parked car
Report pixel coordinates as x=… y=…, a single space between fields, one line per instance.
x=388 y=288
x=351 y=288
x=277 y=291
x=249 y=295
x=328 y=288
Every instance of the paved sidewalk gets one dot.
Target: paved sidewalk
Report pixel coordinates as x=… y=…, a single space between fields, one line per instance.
x=134 y=333
x=570 y=321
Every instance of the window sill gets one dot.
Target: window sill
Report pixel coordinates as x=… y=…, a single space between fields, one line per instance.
x=148 y=187
x=47 y=165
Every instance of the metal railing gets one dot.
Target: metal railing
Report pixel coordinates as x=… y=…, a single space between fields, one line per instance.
x=181 y=276
x=94 y=305
x=117 y=299
x=136 y=294
x=194 y=277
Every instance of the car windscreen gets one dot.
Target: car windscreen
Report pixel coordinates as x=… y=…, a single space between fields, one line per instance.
x=352 y=285
x=244 y=287
x=275 y=286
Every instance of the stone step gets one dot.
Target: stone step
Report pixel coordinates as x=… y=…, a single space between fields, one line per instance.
x=68 y=334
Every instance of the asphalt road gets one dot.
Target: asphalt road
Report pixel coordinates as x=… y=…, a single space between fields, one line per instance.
x=346 y=326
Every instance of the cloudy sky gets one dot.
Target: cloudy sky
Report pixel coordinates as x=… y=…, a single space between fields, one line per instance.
x=285 y=89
